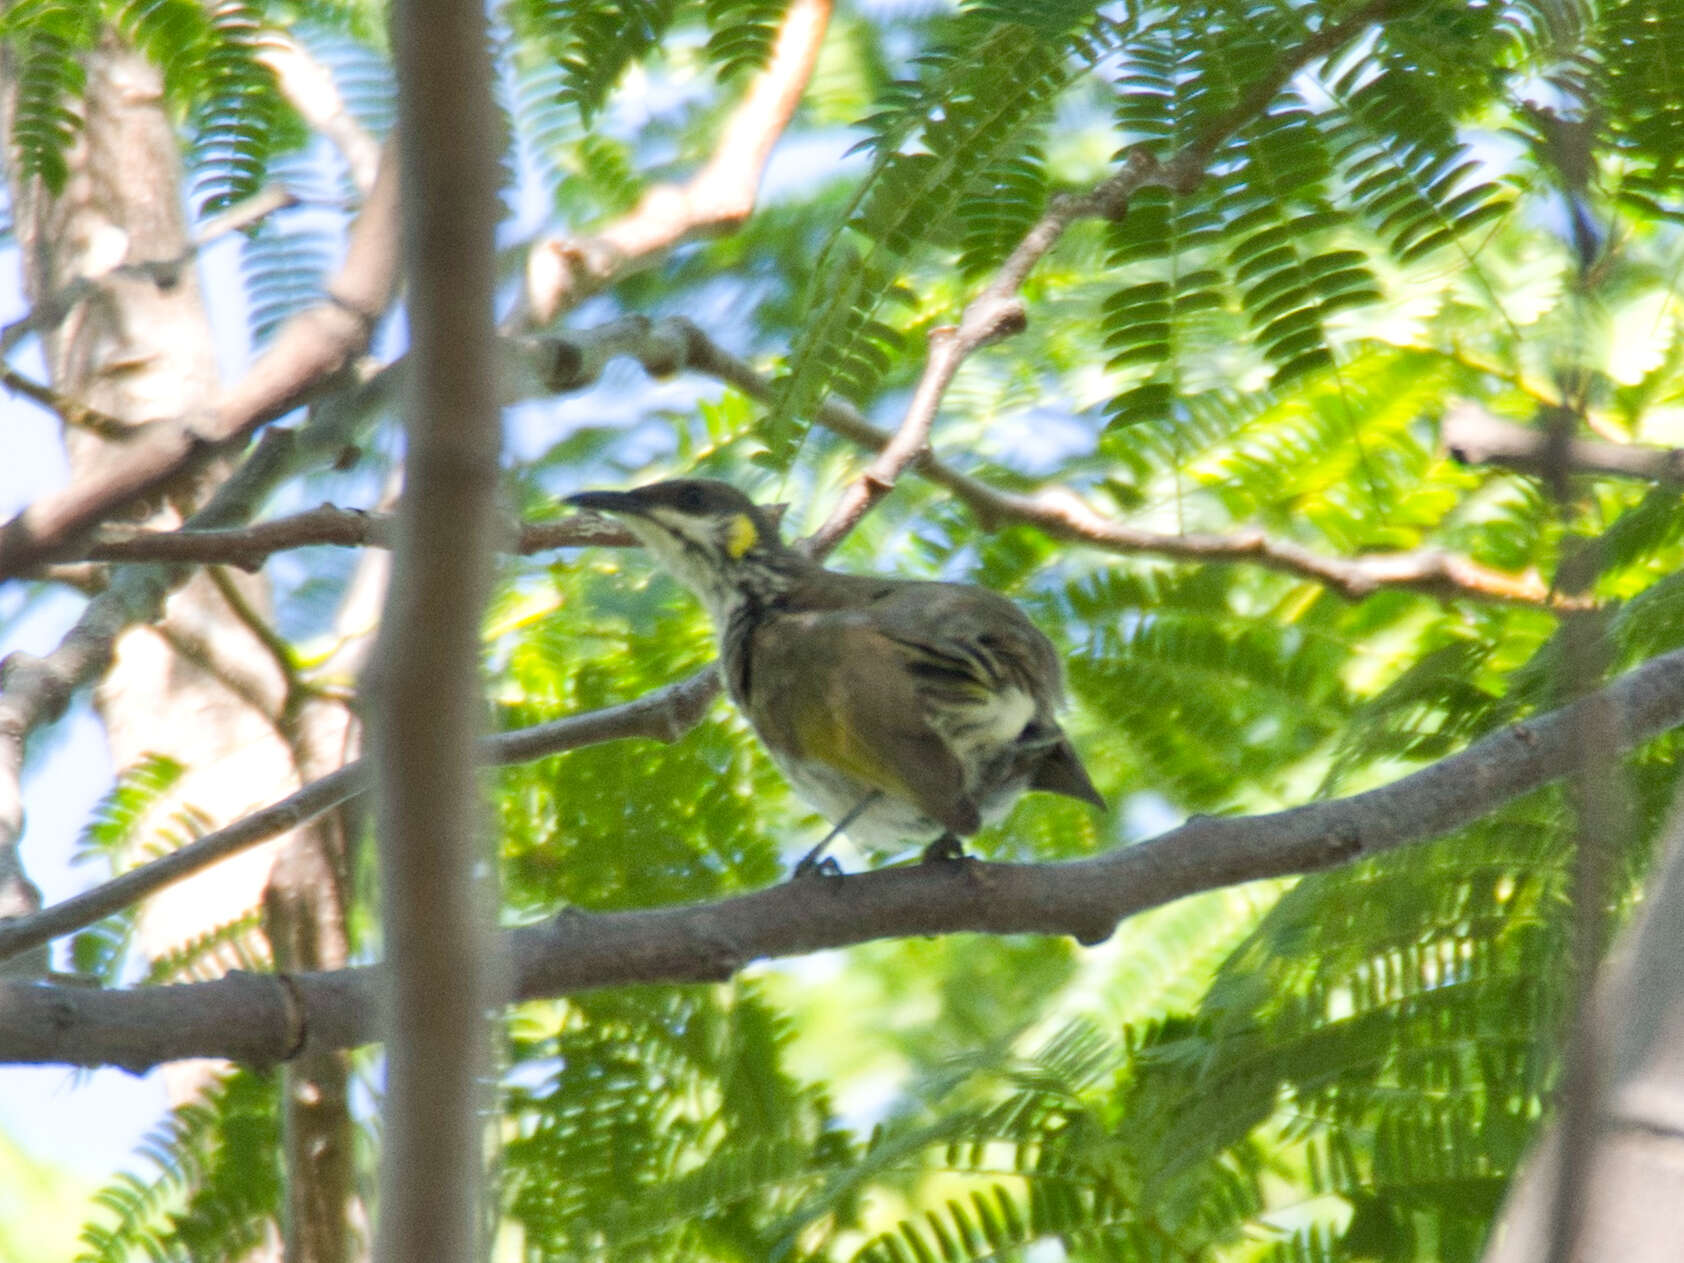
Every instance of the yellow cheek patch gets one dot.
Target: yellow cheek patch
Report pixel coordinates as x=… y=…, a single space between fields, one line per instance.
x=740 y=536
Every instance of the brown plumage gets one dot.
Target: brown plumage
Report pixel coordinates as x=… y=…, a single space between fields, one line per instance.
x=909 y=710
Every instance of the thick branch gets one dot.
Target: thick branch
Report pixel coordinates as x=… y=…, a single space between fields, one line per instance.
x=253 y=1018
x=563 y=272
x=1475 y=437
x=309 y=351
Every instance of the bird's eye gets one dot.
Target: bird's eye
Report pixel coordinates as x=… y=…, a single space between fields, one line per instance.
x=690 y=499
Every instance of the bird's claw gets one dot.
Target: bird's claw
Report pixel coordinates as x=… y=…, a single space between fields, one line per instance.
x=812 y=866
x=944 y=849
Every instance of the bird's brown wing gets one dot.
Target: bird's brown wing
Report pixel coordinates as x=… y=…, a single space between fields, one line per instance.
x=980 y=633
x=829 y=685
x=971 y=638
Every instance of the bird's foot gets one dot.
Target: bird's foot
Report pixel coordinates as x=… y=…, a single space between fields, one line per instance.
x=812 y=865
x=943 y=850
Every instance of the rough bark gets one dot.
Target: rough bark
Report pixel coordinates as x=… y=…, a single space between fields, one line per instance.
x=305 y=907
x=133 y=350
x=199 y=685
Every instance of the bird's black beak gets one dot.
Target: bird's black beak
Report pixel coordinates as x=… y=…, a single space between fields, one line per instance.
x=608 y=502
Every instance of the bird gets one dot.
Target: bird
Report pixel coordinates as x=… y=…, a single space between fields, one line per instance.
x=903 y=710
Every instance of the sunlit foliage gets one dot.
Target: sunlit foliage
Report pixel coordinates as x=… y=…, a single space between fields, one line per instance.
x=1348 y=1067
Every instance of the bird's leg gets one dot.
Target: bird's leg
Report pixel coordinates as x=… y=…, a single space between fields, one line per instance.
x=810 y=862
x=945 y=848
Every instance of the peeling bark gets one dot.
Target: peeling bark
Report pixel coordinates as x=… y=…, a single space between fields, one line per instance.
x=199 y=686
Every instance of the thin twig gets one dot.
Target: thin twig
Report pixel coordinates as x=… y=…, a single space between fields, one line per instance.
x=666 y=346
x=665 y=714
x=1444 y=576
x=281 y=653
x=248 y=547
x=1063 y=515
x=997 y=312
x=237 y=218
x=563 y=272
x=1187 y=168
x=72 y=412
x=237 y=676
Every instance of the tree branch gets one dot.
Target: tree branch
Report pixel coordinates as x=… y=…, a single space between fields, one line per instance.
x=72 y=412
x=248 y=547
x=563 y=272
x=35 y=690
x=318 y=343
x=260 y=1019
x=996 y=311
x=1061 y=514
x=309 y=350
x=670 y=345
x=665 y=714
x=309 y=86
x=1473 y=436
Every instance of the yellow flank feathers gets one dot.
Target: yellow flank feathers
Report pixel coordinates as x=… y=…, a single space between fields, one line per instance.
x=822 y=735
x=740 y=536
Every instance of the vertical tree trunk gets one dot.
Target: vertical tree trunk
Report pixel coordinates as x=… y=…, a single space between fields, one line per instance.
x=1628 y=1208
x=199 y=687
x=437 y=878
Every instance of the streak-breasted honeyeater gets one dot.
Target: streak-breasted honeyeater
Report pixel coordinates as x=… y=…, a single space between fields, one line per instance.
x=903 y=710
